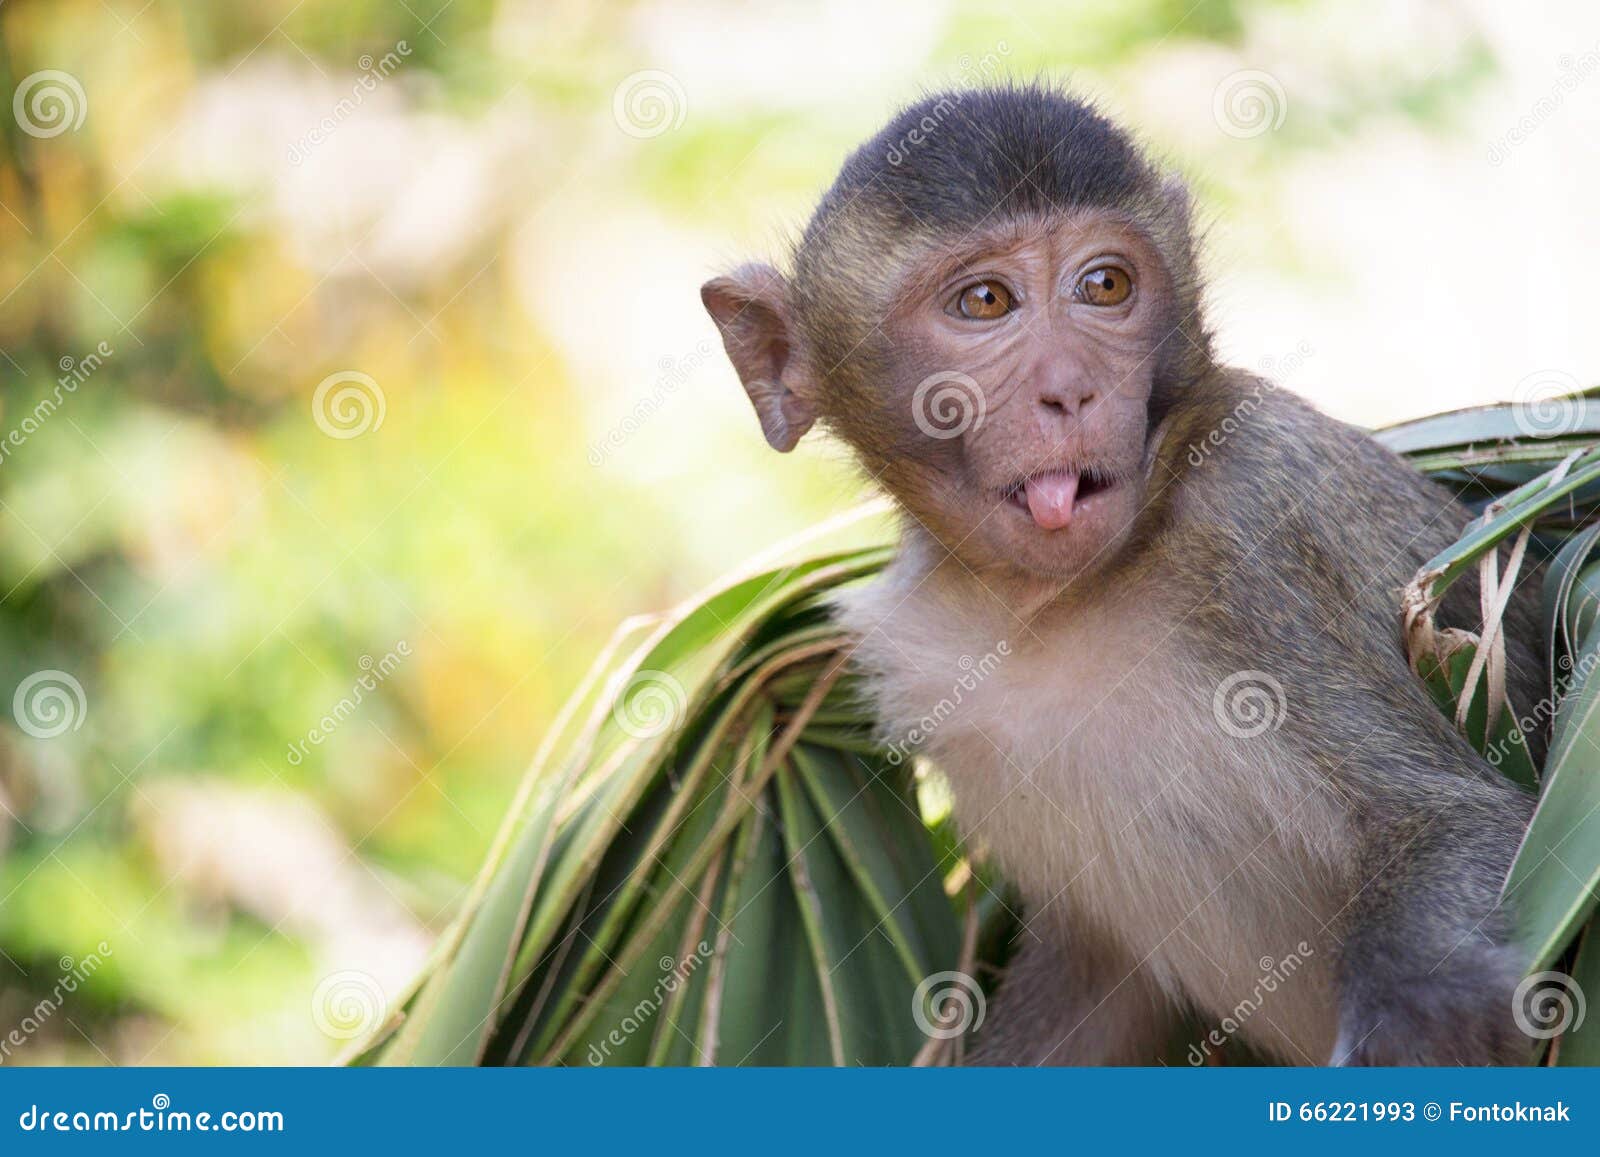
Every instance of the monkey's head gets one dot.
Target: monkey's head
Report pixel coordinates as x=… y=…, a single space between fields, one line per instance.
x=994 y=305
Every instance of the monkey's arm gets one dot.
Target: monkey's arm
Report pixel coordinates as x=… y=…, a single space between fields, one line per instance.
x=1427 y=970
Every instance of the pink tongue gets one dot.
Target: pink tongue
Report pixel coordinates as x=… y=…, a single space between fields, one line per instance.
x=1050 y=498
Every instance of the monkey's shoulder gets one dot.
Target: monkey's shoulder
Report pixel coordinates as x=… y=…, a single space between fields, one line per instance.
x=1274 y=496
x=1284 y=462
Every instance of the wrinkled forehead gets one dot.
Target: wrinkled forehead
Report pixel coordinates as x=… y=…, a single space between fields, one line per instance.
x=868 y=245
x=956 y=173
x=1055 y=235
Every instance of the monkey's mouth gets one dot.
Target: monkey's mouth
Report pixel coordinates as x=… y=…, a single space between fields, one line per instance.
x=1052 y=497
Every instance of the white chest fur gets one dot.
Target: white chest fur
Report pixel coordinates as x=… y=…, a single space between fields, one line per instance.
x=1086 y=754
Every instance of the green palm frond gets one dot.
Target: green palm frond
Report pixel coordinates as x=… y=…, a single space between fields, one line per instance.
x=713 y=862
x=1544 y=491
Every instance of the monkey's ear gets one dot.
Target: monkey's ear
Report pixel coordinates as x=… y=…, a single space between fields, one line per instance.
x=750 y=307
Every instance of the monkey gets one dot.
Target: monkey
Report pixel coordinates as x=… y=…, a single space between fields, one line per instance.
x=1203 y=762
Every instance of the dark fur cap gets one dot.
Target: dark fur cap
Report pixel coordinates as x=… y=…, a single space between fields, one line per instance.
x=958 y=158
x=957 y=161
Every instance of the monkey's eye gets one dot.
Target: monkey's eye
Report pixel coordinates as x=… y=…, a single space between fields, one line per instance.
x=984 y=301
x=1108 y=285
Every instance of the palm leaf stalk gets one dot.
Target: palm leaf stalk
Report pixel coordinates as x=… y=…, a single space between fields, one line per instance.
x=715 y=860
x=1554 y=485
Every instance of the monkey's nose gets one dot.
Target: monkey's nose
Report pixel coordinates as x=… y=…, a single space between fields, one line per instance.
x=1066 y=400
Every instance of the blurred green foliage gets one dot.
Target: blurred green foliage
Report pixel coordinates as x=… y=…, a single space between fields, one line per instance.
x=183 y=538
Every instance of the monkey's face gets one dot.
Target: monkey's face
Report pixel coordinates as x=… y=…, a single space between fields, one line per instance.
x=1015 y=372
x=996 y=381
x=990 y=354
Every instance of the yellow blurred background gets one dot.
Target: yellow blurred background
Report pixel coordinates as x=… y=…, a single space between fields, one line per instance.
x=354 y=386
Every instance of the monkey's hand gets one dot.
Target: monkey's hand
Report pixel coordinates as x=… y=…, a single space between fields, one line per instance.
x=1428 y=973
x=1460 y=1013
